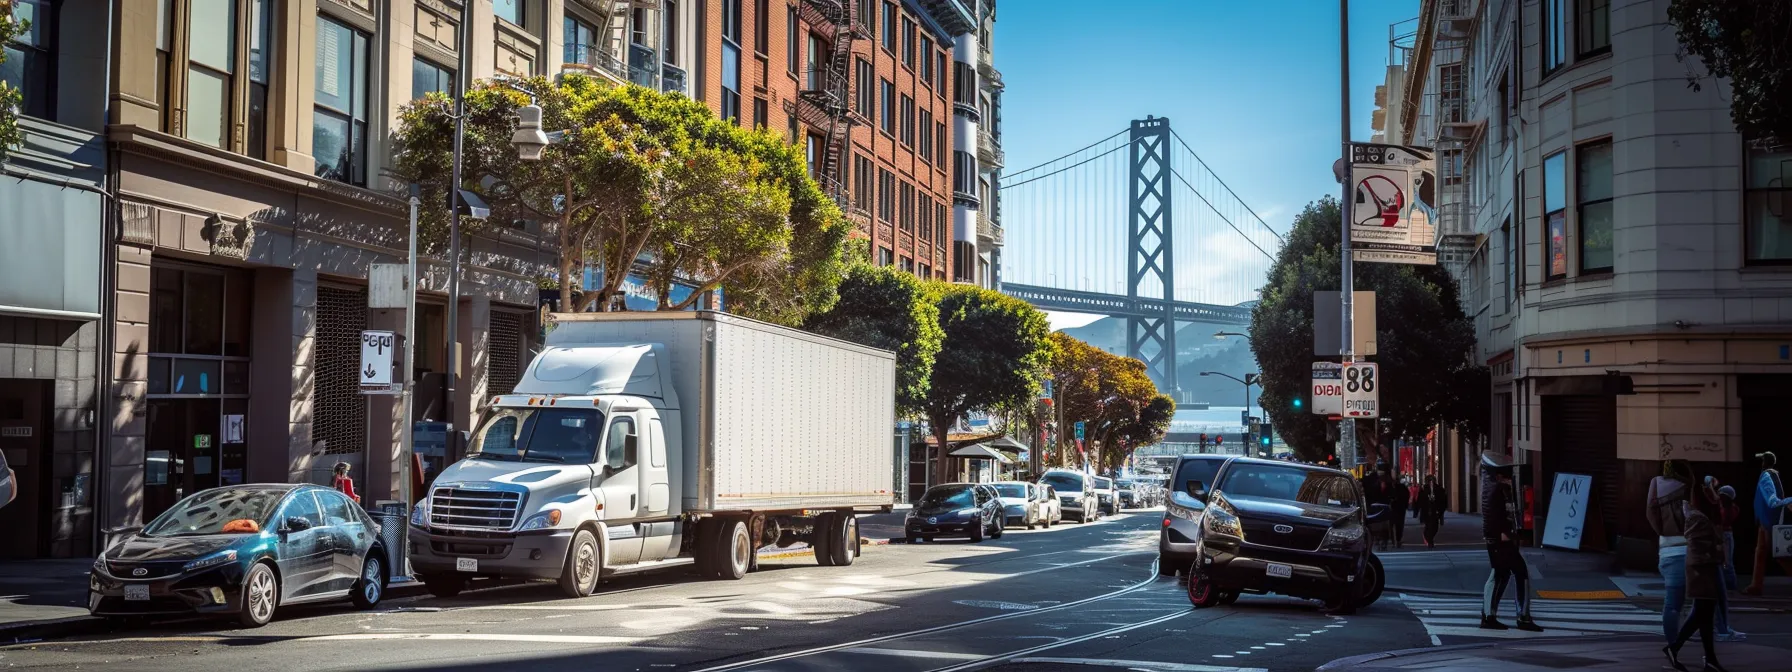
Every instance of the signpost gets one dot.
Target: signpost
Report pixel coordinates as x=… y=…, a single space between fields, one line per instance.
x=1362 y=390
x=1328 y=388
x=1567 y=511
x=377 y=349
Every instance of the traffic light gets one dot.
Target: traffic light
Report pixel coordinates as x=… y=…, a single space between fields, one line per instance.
x=1298 y=403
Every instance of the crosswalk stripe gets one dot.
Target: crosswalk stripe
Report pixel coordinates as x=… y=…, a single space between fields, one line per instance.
x=1461 y=617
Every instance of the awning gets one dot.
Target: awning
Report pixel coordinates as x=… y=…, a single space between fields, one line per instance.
x=1008 y=444
x=981 y=451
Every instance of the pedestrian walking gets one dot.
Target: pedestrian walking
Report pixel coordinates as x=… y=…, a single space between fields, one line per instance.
x=1400 y=499
x=1771 y=504
x=1429 y=508
x=1724 y=512
x=1667 y=493
x=342 y=483
x=1499 y=519
x=1703 y=555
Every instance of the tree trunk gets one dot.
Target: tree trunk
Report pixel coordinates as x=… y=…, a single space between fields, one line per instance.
x=566 y=255
x=941 y=430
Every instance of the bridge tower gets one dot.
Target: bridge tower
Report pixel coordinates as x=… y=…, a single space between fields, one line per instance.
x=1152 y=338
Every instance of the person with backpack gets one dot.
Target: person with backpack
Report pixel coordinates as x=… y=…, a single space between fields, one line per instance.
x=1667 y=517
x=1771 y=504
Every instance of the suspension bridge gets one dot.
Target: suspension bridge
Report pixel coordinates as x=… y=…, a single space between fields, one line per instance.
x=1102 y=230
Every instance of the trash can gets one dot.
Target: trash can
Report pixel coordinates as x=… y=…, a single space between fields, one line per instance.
x=393 y=516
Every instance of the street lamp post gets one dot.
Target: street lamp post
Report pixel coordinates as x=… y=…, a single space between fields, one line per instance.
x=1248 y=380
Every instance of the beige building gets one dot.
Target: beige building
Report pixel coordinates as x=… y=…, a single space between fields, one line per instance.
x=1627 y=266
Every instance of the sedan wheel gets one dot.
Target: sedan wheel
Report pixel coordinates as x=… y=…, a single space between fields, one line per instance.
x=261 y=593
x=372 y=584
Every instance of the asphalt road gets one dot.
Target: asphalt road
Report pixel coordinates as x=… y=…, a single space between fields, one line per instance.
x=1075 y=597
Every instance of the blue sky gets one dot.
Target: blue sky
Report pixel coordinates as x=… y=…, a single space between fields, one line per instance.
x=1252 y=86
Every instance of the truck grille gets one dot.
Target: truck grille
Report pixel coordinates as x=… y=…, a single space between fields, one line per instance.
x=466 y=509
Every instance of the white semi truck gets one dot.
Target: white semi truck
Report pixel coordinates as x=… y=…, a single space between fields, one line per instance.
x=638 y=441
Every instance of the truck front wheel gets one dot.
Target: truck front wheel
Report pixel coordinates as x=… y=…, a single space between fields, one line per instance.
x=735 y=551
x=583 y=562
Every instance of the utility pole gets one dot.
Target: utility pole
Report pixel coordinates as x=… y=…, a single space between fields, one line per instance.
x=1347 y=430
x=461 y=79
x=407 y=439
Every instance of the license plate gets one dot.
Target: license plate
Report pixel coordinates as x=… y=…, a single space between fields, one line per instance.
x=466 y=564
x=136 y=593
x=1279 y=570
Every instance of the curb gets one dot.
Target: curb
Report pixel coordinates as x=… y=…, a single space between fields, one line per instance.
x=800 y=551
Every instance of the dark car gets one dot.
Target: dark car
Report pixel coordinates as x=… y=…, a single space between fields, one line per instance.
x=1182 y=511
x=1291 y=529
x=244 y=550
x=970 y=510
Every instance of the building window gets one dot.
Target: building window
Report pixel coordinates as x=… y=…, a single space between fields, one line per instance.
x=940 y=146
x=814 y=65
x=261 y=67
x=428 y=78
x=762 y=26
x=964 y=173
x=1555 y=37
x=509 y=10
x=731 y=60
x=908 y=43
x=1592 y=27
x=812 y=153
x=211 y=66
x=940 y=220
x=885 y=257
x=30 y=57
x=861 y=183
x=1593 y=167
x=888 y=123
x=791 y=44
x=927 y=60
x=164 y=61
x=964 y=84
x=924 y=211
x=791 y=136
x=908 y=121
x=908 y=265
x=1511 y=252
x=886 y=196
x=581 y=42
x=638 y=25
x=339 y=123
x=760 y=116
x=1769 y=205
x=889 y=27
x=940 y=60
x=926 y=135
x=669 y=26
x=907 y=221
x=866 y=93
x=1555 y=233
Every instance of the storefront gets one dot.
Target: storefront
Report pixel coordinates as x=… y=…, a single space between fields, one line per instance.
x=196 y=434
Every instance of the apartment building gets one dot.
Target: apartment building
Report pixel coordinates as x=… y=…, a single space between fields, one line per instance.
x=53 y=199
x=988 y=268
x=1621 y=246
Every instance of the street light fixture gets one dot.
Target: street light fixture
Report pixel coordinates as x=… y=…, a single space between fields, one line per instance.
x=1221 y=335
x=529 y=139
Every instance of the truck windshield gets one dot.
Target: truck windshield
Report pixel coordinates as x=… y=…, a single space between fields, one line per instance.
x=568 y=435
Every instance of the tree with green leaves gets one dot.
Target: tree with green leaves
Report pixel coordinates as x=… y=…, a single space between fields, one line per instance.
x=1112 y=396
x=10 y=136
x=885 y=308
x=993 y=357
x=1749 y=42
x=1425 y=341
x=638 y=175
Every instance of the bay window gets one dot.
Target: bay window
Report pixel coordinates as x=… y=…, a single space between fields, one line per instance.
x=30 y=58
x=1767 y=191
x=339 y=120
x=202 y=88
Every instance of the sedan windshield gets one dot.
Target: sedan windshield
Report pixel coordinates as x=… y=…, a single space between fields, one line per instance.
x=1012 y=490
x=1063 y=481
x=1104 y=483
x=209 y=511
x=567 y=435
x=948 y=496
x=1307 y=486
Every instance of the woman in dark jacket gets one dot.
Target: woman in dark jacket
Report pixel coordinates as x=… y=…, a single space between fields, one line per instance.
x=1429 y=508
x=1704 y=582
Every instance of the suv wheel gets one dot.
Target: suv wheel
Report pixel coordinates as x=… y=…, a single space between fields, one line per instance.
x=1202 y=593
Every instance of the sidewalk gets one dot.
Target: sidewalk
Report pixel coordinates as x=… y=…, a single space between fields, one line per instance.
x=1605 y=653
x=42 y=599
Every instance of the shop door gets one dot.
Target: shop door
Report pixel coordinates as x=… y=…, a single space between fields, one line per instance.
x=183 y=452
x=1580 y=436
x=25 y=441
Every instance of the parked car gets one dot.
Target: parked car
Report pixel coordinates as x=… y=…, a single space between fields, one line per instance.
x=1130 y=494
x=1049 y=508
x=1292 y=529
x=9 y=483
x=1076 y=494
x=1107 y=495
x=244 y=550
x=1177 y=543
x=1019 y=506
x=971 y=510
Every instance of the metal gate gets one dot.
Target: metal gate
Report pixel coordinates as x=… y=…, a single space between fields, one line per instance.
x=1580 y=436
x=504 y=353
x=338 y=409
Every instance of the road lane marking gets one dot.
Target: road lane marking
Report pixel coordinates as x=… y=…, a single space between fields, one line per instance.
x=910 y=653
x=1139 y=665
x=476 y=637
x=1002 y=658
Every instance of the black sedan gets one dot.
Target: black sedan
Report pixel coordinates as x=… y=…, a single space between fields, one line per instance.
x=243 y=550
x=971 y=510
x=1290 y=529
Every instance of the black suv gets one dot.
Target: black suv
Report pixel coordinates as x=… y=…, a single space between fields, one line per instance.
x=1182 y=511
x=971 y=510
x=1291 y=529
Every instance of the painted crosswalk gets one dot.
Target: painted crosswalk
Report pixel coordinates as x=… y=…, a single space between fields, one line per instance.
x=1461 y=617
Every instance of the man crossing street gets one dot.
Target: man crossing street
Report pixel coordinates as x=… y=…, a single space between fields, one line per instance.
x=1499 y=516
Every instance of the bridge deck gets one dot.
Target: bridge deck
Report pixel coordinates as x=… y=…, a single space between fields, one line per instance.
x=1096 y=303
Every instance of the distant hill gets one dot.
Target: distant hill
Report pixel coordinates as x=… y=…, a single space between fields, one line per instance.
x=1199 y=352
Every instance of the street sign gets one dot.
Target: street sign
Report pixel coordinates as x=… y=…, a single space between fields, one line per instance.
x=1079 y=430
x=377 y=348
x=1328 y=388
x=1394 y=206
x=1362 y=391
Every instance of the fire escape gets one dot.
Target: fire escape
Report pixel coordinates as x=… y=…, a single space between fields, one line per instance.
x=1458 y=132
x=825 y=101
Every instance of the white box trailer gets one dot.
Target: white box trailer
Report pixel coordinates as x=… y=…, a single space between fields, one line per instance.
x=644 y=440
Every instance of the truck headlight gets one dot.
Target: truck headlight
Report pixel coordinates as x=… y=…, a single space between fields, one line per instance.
x=212 y=560
x=420 y=513
x=1222 y=522
x=1341 y=538
x=541 y=521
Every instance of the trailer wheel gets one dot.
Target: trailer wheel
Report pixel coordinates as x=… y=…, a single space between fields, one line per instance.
x=844 y=540
x=823 y=539
x=734 y=552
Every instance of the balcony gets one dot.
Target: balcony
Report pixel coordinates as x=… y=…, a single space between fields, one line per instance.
x=643 y=66
x=672 y=79
x=989 y=151
x=989 y=233
x=590 y=59
x=1456 y=19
